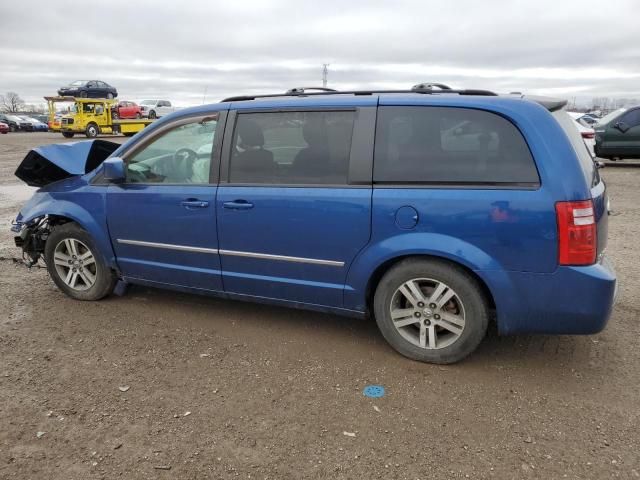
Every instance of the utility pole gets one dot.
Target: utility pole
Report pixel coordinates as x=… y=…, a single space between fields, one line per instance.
x=325 y=73
x=204 y=95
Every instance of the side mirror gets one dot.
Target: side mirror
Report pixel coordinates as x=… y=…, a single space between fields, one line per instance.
x=114 y=170
x=623 y=127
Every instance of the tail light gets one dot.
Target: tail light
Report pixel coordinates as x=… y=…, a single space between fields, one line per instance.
x=576 y=233
x=588 y=134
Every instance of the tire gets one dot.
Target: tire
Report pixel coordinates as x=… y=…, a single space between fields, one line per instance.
x=109 y=95
x=114 y=115
x=68 y=134
x=129 y=134
x=83 y=94
x=152 y=115
x=92 y=130
x=92 y=279
x=12 y=128
x=457 y=326
x=138 y=115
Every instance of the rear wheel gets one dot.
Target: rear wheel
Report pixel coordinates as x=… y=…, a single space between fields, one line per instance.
x=92 y=130
x=152 y=114
x=109 y=95
x=431 y=311
x=138 y=115
x=83 y=94
x=75 y=264
x=12 y=128
x=68 y=134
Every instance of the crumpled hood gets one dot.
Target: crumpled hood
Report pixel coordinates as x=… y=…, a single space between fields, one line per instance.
x=50 y=163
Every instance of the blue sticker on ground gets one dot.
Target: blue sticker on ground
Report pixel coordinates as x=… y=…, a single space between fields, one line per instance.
x=373 y=391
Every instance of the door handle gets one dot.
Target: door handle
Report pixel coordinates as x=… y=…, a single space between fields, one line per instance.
x=193 y=203
x=238 y=205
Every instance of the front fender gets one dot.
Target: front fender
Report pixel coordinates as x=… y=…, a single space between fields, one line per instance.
x=407 y=244
x=46 y=203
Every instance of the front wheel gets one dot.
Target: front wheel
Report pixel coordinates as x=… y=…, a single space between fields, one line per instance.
x=75 y=264
x=92 y=130
x=152 y=114
x=431 y=311
x=109 y=95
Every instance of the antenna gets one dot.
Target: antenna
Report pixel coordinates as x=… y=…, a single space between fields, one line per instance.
x=325 y=74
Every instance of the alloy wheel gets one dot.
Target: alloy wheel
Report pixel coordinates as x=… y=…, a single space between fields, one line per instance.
x=427 y=313
x=75 y=264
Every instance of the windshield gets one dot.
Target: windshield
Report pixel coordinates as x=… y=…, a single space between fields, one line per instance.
x=13 y=118
x=607 y=118
x=78 y=83
x=148 y=102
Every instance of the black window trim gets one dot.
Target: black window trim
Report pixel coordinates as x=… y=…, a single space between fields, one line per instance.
x=215 y=151
x=360 y=173
x=462 y=185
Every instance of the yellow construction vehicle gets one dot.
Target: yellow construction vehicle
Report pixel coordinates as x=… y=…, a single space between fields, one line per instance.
x=91 y=116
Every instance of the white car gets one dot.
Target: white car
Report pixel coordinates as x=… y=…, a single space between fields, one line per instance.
x=588 y=134
x=156 y=108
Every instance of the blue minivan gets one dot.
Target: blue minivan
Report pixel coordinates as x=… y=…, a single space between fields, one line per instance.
x=432 y=211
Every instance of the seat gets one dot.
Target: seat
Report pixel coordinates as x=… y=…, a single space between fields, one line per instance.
x=251 y=162
x=313 y=161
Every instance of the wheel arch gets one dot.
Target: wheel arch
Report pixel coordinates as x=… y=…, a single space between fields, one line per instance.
x=62 y=211
x=385 y=266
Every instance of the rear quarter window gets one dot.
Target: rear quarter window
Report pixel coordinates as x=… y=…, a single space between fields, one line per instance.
x=584 y=156
x=447 y=145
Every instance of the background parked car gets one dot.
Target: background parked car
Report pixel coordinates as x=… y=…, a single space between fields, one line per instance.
x=126 y=109
x=587 y=133
x=4 y=128
x=618 y=134
x=156 y=108
x=36 y=125
x=89 y=88
x=15 y=122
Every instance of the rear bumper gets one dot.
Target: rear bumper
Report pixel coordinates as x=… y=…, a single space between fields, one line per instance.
x=572 y=300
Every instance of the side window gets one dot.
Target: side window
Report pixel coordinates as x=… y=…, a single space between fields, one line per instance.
x=632 y=118
x=181 y=155
x=296 y=148
x=449 y=145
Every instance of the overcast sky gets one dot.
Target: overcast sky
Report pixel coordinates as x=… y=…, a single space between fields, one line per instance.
x=177 y=49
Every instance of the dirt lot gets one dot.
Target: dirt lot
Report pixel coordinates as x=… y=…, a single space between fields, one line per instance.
x=271 y=391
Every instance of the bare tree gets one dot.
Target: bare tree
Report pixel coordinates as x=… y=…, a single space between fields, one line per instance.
x=11 y=102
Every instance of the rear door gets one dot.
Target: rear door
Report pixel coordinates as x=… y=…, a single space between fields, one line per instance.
x=162 y=219
x=294 y=202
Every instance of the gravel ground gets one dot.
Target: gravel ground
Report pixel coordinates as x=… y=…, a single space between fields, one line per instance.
x=222 y=389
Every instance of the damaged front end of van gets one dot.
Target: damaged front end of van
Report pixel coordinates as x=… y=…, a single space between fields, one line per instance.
x=64 y=175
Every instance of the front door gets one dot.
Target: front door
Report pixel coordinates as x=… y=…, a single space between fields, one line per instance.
x=294 y=204
x=162 y=219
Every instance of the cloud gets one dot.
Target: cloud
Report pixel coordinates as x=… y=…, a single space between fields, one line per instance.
x=178 y=50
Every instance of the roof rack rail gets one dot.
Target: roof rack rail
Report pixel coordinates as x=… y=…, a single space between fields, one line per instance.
x=427 y=90
x=301 y=90
x=424 y=86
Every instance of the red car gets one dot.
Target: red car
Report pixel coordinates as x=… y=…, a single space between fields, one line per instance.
x=125 y=109
x=4 y=128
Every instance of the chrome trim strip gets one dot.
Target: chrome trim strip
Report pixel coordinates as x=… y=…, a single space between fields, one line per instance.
x=233 y=253
x=169 y=246
x=284 y=258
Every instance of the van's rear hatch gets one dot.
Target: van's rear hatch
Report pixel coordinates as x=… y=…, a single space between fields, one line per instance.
x=50 y=163
x=591 y=175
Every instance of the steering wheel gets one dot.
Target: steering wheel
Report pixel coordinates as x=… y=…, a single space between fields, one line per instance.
x=185 y=155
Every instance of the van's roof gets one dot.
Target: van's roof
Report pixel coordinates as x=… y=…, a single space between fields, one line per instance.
x=352 y=97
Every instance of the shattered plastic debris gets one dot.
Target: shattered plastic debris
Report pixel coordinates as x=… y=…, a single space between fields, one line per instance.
x=40 y=434
x=349 y=434
x=124 y=388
